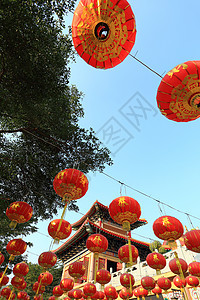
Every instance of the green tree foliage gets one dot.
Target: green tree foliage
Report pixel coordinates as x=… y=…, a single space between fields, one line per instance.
x=39 y=110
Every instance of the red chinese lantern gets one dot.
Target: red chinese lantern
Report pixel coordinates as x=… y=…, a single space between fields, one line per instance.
x=59 y=233
x=21 y=269
x=76 y=269
x=192 y=281
x=95 y=296
x=125 y=294
x=157 y=290
x=38 y=288
x=194 y=268
x=19 y=212
x=53 y=298
x=57 y=291
x=127 y=280
x=38 y=297
x=125 y=210
x=192 y=240
x=148 y=283
x=124 y=253
x=3 y=279
x=45 y=278
x=103 y=33
x=164 y=283
x=5 y=292
x=101 y=295
x=17 y=281
x=22 y=295
x=168 y=228
x=47 y=259
x=103 y=276
x=136 y=293
x=89 y=289
x=110 y=292
x=1 y=258
x=16 y=247
x=175 y=265
x=156 y=261
x=22 y=286
x=66 y=284
x=142 y=292
x=178 y=282
x=178 y=95
x=75 y=294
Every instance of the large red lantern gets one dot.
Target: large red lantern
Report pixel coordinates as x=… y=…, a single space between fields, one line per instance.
x=124 y=253
x=38 y=288
x=175 y=265
x=59 y=233
x=45 y=278
x=103 y=33
x=21 y=269
x=178 y=95
x=22 y=295
x=142 y=292
x=192 y=240
x=192 y=280
x=194 y=268
x=89 y=289
x=178 y=282
x=5 y=292
x=66 y=284
x=125 y=210
x=157 y=290
x=57 y=291
x=97 y=243
x=164 y=283
x=148 y=283
x=76 y=269
x=125 y=294
x=168 y=228
x=17 y=281
x=3 y=279
x=19 y=212
x=127 y=280
x=16 y=247
x=103 y=276
x=110 y=292
x=47 y=259
x=1 y=258
x=156 y=261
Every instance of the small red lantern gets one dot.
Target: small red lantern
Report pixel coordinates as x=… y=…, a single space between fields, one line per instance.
x=22 y=286
x=70 y=184
x=76 y=269
x=192 y=240
x=89 y=289
x=175 y=265
x=127 y=280
x=178 y=282
x=21 y=269
x=66 y=284
x=136 y=293
x=75 y=293
x=97 y=243
x=22 y=295
x=125 y=210
x=95 y=296
x=168 y=228
x=142 y=292
x=38 y=288
x=192 y=281
x=53 y=298
x=157 y=290
x=38 y=297
x=178 y=96
x=148 y=283
x=19 y=212
x=123 y=253
x=194 y=268
x=17 y=281
x=5 y=292
x=16 y=247
x=3 y=280
x=57 y=291
x=59 y=233
x=103 y=276
x=164 y=283
x=156 y=261
x=47 y=259
x=1 y=258
x=125 y=294
x=45 y=278
x=110 y=292
x=101 y=295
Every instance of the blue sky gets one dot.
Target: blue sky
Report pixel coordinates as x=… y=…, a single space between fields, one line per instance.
x=154 y=155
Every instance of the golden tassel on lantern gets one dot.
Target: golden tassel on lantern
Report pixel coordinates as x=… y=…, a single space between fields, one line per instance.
x=96 y=262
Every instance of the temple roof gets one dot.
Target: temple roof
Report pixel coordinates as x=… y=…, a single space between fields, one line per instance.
x=100 y=211
x=78 y=241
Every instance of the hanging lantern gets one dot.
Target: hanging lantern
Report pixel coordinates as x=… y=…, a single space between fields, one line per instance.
x=16 y=247
x=164 y=283
x=148 y=283
x=103 y=276
x=192 y=281
x=103 y=32
x=19 y=212
x=22 y=286
x=168 y=228
x=125 y=210
x=89 y=289
x=124 y=253
x=5 y=292
x=1 y=258
x=17 y=281
x=178 y=282
x=110 y=292
x=66 y=284
x=127 y=280
x=194 y=268
x=76 y=269
x=136 y=293
x=45 y=278
x=192 y=240
x=178 y=95
x=4 y=279
x=75 y=294
x=142 y=292
x=101 y=295
x=62 y=233
x=47 y=259
x=125 y=294
x=156 y=261
x=175 y=264
x=22 y=295
x=157 y=290
x=57 y=291
x=53 y=298
x=38 y=297
x=37 y=288
x=95 y=296
x=21 y=269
